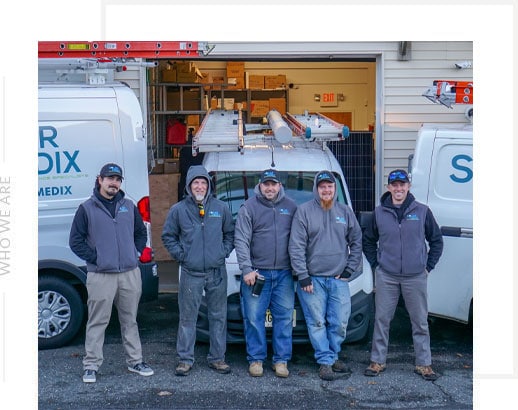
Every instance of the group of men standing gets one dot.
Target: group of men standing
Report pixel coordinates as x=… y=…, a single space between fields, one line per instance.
x=319 y=243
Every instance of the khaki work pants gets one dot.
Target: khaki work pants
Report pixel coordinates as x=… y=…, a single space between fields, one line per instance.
x=105 y=290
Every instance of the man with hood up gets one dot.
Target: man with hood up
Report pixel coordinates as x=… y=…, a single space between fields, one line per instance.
x=199 y=234
x=326 y=251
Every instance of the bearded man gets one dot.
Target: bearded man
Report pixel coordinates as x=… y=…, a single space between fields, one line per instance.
x=326 y=251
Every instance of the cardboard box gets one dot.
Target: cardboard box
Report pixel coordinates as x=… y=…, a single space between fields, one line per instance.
x=163 y=193
x=259 y=108
x=239 y=84
x=168 y=76
x=275 y=81
x=184 y=66
x=278 y=104
x=254 y=81
x=236 y=69
x=171 y=166
x=218 y=80
x=228 y=103
x=158 y=168
x=192 y=119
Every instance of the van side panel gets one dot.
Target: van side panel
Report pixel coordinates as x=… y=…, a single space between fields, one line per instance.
x=442 y=177
x=73 y=144
x=450 y=196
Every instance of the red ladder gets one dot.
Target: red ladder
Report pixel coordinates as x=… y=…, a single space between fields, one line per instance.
x=135 y=49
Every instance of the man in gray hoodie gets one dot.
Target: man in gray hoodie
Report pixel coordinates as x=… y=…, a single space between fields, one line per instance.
x=261 y=239
x=199 y=234
x=325 y=250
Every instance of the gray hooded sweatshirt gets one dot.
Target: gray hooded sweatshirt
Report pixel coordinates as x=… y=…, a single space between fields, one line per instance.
x=324 y=242
x=262 y=232
x=199 y=243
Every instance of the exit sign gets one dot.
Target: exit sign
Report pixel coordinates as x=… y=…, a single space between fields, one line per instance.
x=328 y=100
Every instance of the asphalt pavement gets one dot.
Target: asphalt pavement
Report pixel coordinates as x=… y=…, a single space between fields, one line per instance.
x=61 y=387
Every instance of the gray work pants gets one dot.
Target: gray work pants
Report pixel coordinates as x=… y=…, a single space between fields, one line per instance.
x=191 y=287
x=414 y=291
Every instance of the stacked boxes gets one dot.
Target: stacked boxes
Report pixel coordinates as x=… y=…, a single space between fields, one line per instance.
x=236 y=70
x=181 y=72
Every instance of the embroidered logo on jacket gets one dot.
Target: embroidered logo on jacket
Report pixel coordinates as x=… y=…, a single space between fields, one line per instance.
x=412 y=217
x=214 y=214
x=284 y=211
x=123 y=209
x=340 y=220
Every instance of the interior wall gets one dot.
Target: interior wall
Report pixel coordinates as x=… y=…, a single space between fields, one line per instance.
x=356 y=81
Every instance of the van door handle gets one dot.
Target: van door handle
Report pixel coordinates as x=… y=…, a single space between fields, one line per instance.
x=457 y=232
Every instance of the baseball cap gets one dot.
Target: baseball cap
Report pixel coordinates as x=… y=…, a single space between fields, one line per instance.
x=325 y=176
x=270 y=175
x=398 y=175
x=111 y=170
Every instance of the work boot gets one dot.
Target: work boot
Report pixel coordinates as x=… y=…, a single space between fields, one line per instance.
x=255 y=369
x=426 y=373
x=182 y=369
x=220 y=366
x=281 y=369
x=326 y=372
x=374 y=369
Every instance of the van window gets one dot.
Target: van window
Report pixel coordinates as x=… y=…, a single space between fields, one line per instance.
x=236 y=187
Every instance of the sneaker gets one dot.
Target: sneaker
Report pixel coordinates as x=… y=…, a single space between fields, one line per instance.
x=374 y=369
x=340 y=367
x=220 y=366
x=281 y=369
x=255 y=369
x=141 y=368
x=182 y=369
x=326 y=372
x=89 y=376
x=426 y=373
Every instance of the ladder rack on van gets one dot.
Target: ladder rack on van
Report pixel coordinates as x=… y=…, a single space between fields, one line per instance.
x=220 y=130
x=316 y=127
x=224 y=130
x=88 y=70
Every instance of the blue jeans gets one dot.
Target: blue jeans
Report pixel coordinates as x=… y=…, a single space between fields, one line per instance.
x=326 y=312
x=214 y=283
x=278 y=294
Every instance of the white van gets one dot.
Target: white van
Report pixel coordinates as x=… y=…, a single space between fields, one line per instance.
x=81 y=128
x=235 y=174
x=442 y=177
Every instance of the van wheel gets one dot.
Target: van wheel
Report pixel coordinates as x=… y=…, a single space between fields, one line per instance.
x=60 y=312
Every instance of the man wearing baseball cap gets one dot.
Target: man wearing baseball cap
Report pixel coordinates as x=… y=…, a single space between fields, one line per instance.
x=395 y=246
x=261 y=240
x=108 y=233
x=326 y=251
